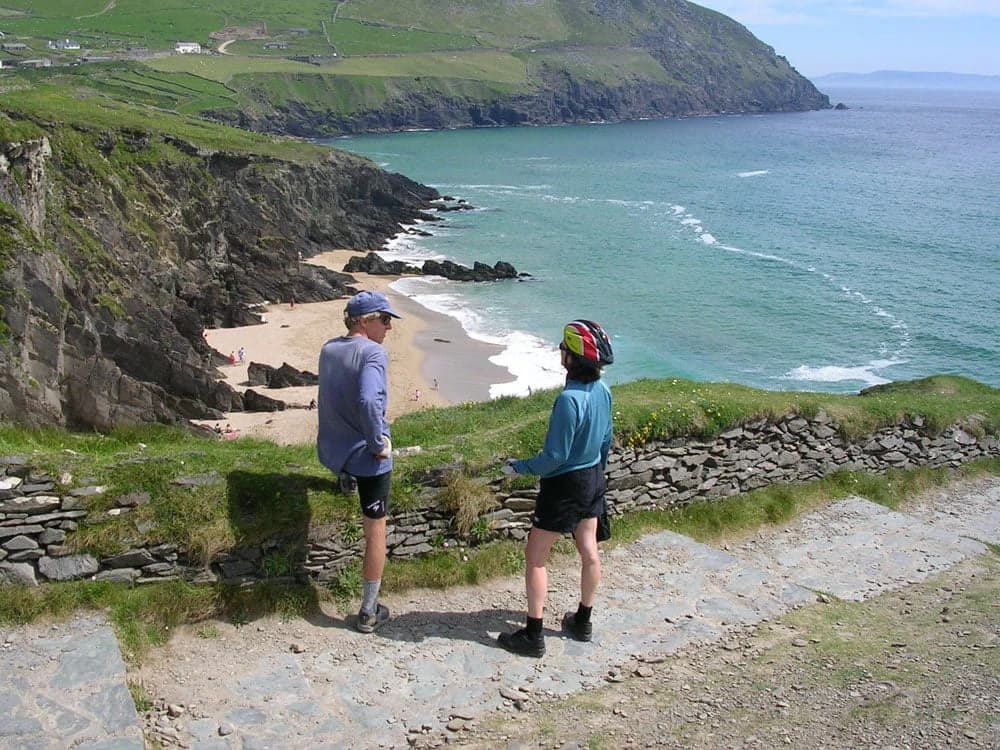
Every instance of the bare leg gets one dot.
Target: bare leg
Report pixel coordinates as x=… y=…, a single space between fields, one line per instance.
x=590 y=559
x=536 y=579
x=374 y=560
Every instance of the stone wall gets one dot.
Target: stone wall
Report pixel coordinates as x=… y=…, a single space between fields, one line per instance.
x=35 y=518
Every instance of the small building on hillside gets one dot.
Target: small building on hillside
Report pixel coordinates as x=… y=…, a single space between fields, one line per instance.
x=298 y=31
x=275 y=45
x=13 y=46
x=64 y=44
x=41 y=62
x=187 y=48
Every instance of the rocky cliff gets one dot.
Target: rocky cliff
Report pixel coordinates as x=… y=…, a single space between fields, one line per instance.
x=117 y=247
x=609 y=60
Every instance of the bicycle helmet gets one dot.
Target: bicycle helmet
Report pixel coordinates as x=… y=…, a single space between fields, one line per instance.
x=588 y=341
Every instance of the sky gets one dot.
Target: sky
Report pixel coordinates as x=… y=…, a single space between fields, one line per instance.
x=862 y=36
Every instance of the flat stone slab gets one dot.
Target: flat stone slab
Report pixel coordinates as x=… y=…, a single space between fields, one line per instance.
x=974 y=514
x=855 y=549
x=64 y=686
x=660 y=594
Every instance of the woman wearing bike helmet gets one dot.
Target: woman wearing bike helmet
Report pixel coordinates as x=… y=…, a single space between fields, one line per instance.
x=571 y=490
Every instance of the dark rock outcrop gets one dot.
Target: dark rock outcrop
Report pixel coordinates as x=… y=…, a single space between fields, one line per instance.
x=373 y=263
x=118 y=248
x=285 y=376
x=253 y=401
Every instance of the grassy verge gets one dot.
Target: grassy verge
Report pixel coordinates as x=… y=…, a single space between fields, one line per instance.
x=143 y=617
x=248 y=489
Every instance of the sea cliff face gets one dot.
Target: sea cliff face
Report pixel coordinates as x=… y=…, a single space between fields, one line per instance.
x=117 y=248
x=618 y=60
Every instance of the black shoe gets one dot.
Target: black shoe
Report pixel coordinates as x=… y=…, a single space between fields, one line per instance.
x=522 y=644
x=578 y=631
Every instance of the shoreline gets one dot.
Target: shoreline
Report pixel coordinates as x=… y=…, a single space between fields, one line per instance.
x=424 y=347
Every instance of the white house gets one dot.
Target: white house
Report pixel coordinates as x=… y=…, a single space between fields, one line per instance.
x=187 y=48
x=64 y=44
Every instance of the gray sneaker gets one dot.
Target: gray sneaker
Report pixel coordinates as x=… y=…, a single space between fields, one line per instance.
x=368 y=622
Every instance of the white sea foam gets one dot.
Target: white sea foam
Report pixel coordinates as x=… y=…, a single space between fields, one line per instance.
x=695 y=224
x=456 y=188
x=755 y=173
x=409 y=249
x=867 y=374
x=532 y=362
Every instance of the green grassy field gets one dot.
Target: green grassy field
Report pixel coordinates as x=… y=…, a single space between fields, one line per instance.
x=74 y=100
x=380 y=56
x=486 y=66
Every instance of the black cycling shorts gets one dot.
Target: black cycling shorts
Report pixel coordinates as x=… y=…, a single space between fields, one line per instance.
x=374 y=494
x=566 y=499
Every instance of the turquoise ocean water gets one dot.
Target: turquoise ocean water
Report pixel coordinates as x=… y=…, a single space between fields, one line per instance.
x=819 y=251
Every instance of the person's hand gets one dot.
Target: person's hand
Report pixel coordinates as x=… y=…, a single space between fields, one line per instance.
x=386 y=448
x=508 y=467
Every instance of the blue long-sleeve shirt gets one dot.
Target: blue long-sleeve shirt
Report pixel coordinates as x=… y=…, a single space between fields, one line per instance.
x=579 y=433
x=352 y=402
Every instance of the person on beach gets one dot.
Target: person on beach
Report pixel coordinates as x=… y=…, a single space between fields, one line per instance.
x=571 y=491
x=353 y=440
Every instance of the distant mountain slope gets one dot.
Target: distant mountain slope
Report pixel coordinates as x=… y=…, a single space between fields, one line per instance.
x=911 y=80
x=318 y=67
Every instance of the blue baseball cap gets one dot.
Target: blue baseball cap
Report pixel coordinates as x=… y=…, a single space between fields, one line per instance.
x=367 y=302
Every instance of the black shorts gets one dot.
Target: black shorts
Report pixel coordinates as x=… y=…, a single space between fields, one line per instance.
x=374 y=494
x=566 y=499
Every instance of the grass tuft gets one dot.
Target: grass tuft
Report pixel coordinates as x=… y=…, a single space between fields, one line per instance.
x=466 y=498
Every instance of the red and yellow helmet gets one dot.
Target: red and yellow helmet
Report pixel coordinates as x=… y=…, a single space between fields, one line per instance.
x=588 y=341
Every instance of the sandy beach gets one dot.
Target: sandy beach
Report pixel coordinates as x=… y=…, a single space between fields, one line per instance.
x=424 y=348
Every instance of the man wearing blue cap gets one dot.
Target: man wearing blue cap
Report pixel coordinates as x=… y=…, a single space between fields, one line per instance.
x=353 y=439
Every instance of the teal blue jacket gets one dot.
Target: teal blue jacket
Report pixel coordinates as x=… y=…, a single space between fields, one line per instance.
x=579 y=433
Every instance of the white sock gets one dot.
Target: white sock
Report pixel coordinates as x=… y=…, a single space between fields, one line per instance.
x=369 y=599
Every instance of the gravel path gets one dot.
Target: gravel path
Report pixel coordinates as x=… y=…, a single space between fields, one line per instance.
x=433 y=673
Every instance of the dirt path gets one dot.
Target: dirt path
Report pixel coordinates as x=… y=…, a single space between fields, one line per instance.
x=694 y=647
x=106 y=9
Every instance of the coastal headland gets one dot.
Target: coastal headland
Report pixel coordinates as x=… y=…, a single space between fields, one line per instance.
x=432 y=360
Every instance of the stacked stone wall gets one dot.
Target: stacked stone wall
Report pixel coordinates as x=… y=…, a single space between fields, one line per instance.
x=35 y=517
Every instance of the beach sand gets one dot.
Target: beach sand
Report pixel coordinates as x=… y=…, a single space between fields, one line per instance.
x=423 y=347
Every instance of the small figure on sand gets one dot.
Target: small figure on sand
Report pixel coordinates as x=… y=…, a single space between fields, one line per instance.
x=242 y=355
x=232 y=358
x=416 y=395
x=312 y=404
x=435 y=386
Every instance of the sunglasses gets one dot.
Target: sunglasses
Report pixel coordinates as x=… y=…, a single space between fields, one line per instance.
x=385 y=318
